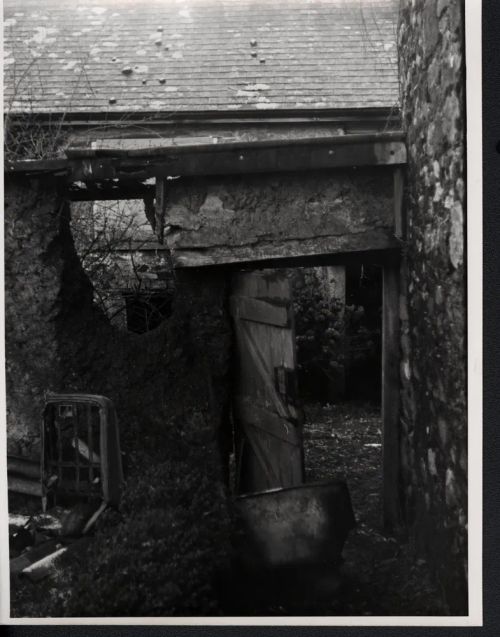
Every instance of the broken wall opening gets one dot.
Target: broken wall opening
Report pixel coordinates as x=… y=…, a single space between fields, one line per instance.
x=51 y=321
x=131 y=273
x=169 y=385
x=69 y=341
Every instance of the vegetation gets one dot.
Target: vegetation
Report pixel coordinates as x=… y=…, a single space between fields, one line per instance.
x=332 y=337
x=165 y=553
x=160 y=558
x=110 y=239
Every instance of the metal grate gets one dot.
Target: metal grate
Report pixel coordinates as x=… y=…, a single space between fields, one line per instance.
x=73 y=448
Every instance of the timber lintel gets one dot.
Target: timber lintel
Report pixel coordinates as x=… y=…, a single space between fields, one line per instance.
x=342 y=151
x=372 y=241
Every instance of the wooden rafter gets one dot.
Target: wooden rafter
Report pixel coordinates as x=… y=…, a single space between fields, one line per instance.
x=105 y=165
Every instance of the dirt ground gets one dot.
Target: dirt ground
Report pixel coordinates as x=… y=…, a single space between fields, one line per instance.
x=378 y=575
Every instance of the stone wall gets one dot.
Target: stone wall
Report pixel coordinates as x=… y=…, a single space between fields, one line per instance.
x=170 y=388
x=433 y=366
x=58 y=340
x=218 y=220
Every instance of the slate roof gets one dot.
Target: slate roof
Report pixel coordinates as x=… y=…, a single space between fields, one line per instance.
x=199 y=55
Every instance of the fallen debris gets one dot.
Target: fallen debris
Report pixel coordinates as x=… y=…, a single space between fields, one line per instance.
x=91 y=522
x=18 y=520
x=76 y=520
x=49 y=523
x=44 y=567
x=33 y=555
x=23 y=466
x=25 y=486
x=24 y=476
x=21 y=538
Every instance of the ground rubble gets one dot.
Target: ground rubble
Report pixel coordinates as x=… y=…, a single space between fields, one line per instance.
x=379 y=574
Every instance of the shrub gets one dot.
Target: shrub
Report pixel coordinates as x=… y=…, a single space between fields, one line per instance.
x=333 y=338
x=320 y=331
x=161 y=556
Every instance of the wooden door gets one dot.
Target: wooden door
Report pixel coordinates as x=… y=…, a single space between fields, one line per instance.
x=268 y=419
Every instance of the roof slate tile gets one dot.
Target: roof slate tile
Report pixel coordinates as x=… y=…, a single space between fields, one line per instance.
x=334 y=53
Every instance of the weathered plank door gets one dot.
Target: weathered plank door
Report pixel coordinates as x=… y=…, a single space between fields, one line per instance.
x=268 y=420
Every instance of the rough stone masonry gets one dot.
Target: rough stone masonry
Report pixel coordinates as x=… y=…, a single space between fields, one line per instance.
x=433 y=365
x=58 y=340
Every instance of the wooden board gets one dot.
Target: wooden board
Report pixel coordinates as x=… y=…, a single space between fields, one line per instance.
x=258 y=311
x=390 y=397
x=344 y=246
x=399 y=220
x=268 y=420
x=26 y=486
x=241 y=157
x=86 y=164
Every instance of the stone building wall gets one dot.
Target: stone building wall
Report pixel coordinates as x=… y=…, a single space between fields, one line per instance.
x=170 y=388
x=433 y=366
x=58 y=340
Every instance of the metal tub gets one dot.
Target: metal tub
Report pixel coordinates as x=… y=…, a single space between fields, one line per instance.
x=302 y=525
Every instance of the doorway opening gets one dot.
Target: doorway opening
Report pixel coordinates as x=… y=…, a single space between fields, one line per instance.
x=338 y=337
x=338 y=334
x=309 y=350
x=310 y=417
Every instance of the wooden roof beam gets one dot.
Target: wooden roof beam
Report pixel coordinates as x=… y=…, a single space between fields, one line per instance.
x=343 y=151
x=110 y=191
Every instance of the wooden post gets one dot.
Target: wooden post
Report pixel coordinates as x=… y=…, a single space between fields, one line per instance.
x=390 y=397
x=399 y=220
x=160 y=207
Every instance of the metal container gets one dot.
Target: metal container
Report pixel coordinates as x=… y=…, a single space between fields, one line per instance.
x=81 y=448
x=303 y=525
